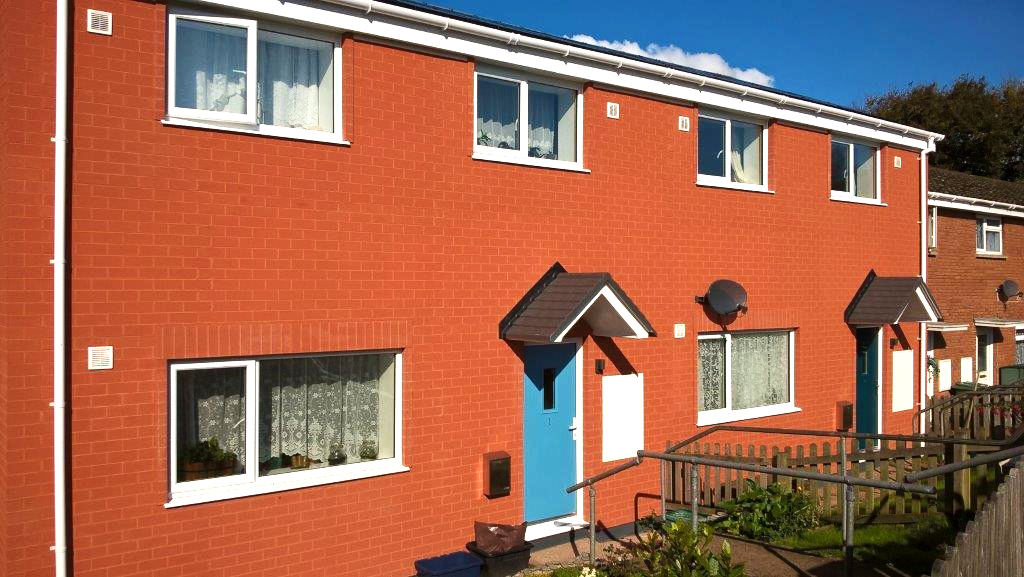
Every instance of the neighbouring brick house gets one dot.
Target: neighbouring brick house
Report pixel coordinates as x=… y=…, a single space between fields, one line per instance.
x=325 y=234
x=975 y=244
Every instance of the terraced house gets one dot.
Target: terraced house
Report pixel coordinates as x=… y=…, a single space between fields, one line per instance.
x=278 y=274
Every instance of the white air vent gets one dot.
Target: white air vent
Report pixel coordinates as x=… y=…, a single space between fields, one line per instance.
x=613 y=110
x=684 y=123
x=99 y=22
x=897 y=162
x=101 y=358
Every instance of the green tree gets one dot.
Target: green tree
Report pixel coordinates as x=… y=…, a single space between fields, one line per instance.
x=983 y=124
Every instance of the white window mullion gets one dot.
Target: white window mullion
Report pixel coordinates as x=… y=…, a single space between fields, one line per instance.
x=851 y=170
x=728 y=373
x=728 y=150
x=252 y=453
x=524 y=118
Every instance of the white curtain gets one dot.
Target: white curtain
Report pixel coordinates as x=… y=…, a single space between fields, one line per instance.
x=543 y=142
x=760 y=370
x=210 y=65
x=211 y=405
x=308 y=405
x=710 y=374
x=864 y=162
x=746 y=153
x=293 y=87
x=497 y=113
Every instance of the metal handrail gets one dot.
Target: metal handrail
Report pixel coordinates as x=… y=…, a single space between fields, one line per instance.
x=973 y=462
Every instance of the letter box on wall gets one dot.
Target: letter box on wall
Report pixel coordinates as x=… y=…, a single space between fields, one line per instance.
x=497 y=474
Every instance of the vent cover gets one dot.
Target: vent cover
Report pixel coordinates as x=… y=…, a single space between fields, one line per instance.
x=99 y=22
x=613 y=110
x=897 y=162
x=101 y=358
x=684 y=123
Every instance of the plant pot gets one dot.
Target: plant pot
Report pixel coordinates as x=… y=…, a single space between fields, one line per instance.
x=195 y=471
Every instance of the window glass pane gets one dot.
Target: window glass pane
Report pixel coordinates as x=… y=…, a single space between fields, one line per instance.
x=324 y=411
x=994 y=223
x=993 y=241
x=710 y=374
x=980 y=234
x=497 y=113
x=210 y=422
x=840 y=167
x=552 y=122
x=864 y=161
x=711 y=147
x=295 y=84
x=210 y=67
x=760 y=370
x=1020 y=352
x=549 y=389
x=746 y=152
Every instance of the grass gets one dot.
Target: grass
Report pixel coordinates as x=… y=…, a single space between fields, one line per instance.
x=911 y=548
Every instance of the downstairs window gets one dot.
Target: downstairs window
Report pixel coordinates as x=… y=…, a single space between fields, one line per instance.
x=744 y=375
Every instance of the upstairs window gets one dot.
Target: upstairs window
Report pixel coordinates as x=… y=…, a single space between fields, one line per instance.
x=854 y=171
x=989 y=235
x=526 y=118
x=730 y=151
x=237 y=73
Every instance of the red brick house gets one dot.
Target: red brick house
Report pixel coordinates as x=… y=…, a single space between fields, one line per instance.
x=975 y=245
x=287 y=271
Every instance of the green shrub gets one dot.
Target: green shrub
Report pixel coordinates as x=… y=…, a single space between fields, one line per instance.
x=670 y=550
x=769 y=513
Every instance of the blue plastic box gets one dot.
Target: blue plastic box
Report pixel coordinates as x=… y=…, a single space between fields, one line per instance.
x=459 y=564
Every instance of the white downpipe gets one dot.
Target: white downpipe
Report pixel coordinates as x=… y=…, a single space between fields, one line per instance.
x=923 y=370
x=565 y=50
x=59 y=264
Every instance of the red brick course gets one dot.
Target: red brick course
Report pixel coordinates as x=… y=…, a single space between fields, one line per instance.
x=194 y=244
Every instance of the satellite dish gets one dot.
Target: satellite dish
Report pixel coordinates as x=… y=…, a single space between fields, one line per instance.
x=1009 y=288
x=726 y=297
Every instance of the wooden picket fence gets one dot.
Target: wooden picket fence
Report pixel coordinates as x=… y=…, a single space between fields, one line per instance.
x=889 y=460
x=988 y=413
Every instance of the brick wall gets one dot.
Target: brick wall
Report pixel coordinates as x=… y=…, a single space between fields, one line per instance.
x=965 y=286
x=191 y=244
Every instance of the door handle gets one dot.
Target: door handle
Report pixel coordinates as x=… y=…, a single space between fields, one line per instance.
x=572 y=427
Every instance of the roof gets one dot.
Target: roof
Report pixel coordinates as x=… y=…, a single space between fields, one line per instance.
x=945 y=181
x=448 y=12
x=890 y=300
x=560 y=300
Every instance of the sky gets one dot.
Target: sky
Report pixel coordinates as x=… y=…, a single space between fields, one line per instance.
x=833 y=51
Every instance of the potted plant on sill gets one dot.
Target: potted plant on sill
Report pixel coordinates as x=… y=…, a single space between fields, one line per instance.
x=207 y=460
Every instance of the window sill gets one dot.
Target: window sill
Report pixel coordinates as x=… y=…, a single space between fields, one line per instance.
x=260 y=130
x=842 y=197
x=704 y=420
x=285 y=482
x=535 y=162
x=990 y=255
x=735 y=186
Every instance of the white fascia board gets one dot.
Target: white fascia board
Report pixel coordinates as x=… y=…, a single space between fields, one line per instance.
x=620 y=308
x=974 y=205
x=932 y=317
x=430 y=31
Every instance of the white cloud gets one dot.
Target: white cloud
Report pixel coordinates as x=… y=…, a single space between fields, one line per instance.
x=707 y=61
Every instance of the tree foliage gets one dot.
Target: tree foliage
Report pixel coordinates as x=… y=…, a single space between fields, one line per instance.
x=983 y=123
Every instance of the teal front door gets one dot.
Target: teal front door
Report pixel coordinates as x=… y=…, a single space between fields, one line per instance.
x=549 y=436
x=867 y=381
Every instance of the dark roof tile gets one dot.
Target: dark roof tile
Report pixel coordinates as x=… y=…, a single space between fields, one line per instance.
x=956 y=183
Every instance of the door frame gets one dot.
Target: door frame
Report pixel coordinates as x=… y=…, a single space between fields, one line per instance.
x=576 y=520
x=878 y=377
x=990 y=353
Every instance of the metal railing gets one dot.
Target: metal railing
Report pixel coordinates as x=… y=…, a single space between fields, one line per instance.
x=945 y=406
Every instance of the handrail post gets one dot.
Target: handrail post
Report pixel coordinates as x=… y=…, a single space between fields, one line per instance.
x=593 y=524
x=664 y=466
x=842 y=472
x=694 y=488
x=848 y=537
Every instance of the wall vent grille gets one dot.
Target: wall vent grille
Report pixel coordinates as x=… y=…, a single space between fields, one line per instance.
x=99 y=22
x=101 y=358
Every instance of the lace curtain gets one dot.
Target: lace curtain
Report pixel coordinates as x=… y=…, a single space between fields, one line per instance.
x=543 y=142
x=210 y=65
x=307 y=405
x=211 y=404
x=294 y=84
x=864 y=163
x=710 y=374
x=760 y=370
x=497 y=113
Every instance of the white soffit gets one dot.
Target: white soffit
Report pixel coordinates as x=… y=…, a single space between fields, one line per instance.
x=946 y=327
x=977 y=205
x=997 y=323
x=607 y=316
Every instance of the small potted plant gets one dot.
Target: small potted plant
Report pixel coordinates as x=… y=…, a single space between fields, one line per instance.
x=368 y=450
x=207 y=460
x=337 y=455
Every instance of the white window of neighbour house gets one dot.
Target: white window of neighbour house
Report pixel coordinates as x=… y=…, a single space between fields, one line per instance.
x=248 y=76
x=989 y=235
x=246 y=427
x=525 y=119
x=731 y=152
x=854 y=172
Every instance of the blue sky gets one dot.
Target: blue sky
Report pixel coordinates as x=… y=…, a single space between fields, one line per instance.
x=835 y=51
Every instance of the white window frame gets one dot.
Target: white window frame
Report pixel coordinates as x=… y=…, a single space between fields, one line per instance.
x=851 y=196
x=933 y=234
x=521 y=155
x=727 y=414
x=249 y=122
x=250 y=482
x=727 y=181
x=985 y=229
x=1018 y=336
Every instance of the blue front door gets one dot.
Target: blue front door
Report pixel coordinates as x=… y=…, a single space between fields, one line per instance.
x=549 y=447
x=867 y=381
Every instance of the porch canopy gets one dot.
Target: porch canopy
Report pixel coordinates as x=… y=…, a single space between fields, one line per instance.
x=941 y=327
x=882 y=300
x=997 y=323
x=561 y=300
